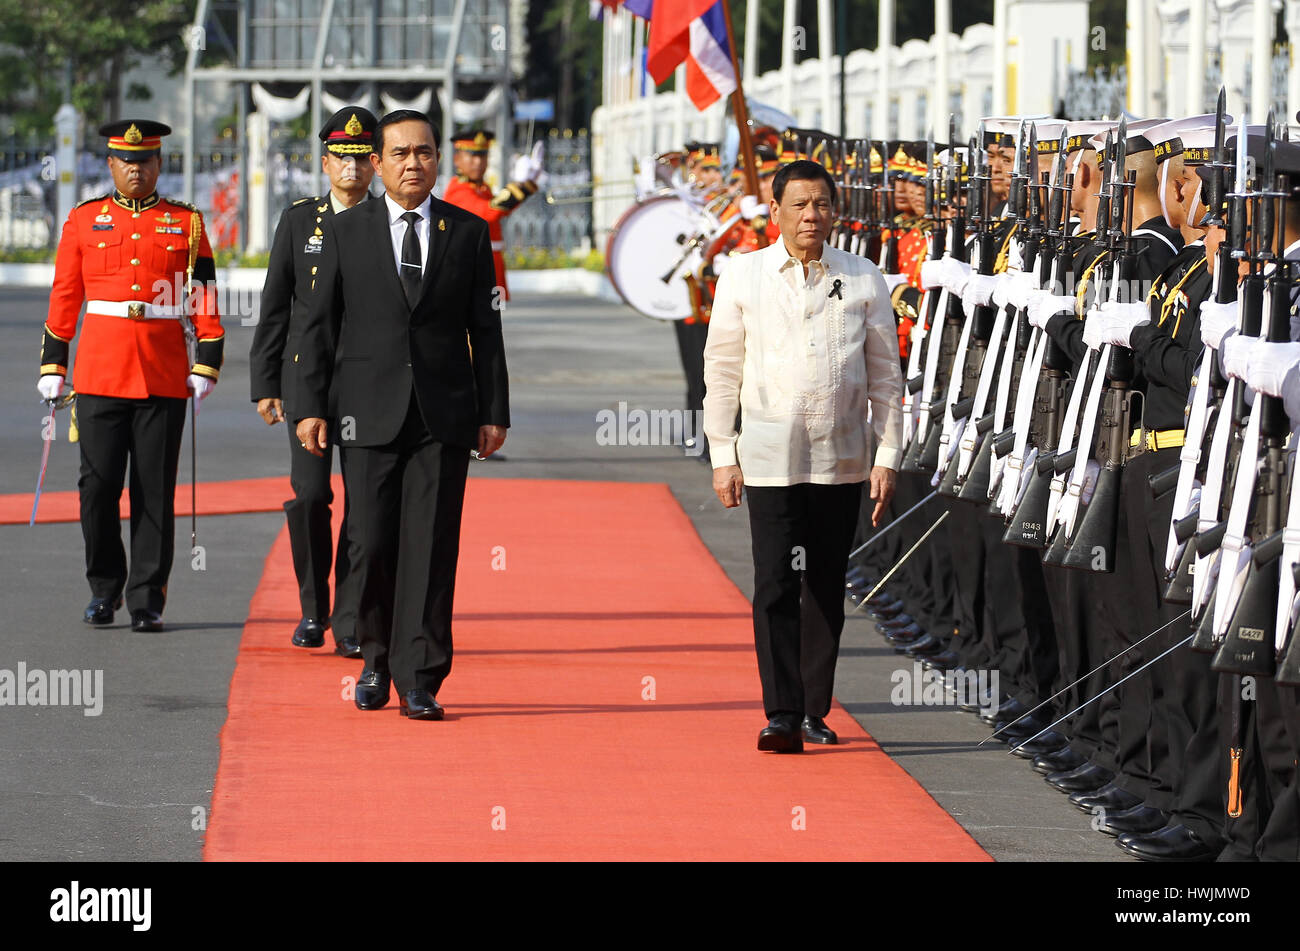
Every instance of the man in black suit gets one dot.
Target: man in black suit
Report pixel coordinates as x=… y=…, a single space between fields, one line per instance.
x=290 y=276
x=405 y=291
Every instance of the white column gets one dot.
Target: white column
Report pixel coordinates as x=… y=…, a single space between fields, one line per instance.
x=750 y=66
x=1195 y=80
x=1001 y=30
x=1261 y=56
x=1292 y=21
x=940 y=93
x=1136 y=44
x=826 y=54
x=258 y=133
x=67 y=129
x=679 y=101
x=884 y=61
x=789 y=23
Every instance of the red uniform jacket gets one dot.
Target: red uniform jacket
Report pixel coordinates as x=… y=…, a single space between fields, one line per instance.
x=114 y=251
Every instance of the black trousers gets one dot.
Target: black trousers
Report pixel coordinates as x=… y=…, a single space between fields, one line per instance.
x=310 y=539
x=690 y=344
x=800 y=536
x=406 y=499
x=144 y=436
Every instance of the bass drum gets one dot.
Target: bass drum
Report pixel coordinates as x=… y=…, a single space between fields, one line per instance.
x=648 y=243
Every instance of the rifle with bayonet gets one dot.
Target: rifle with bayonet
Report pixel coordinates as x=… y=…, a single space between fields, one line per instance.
x=945 y=337
x=929 y=307
x=978 y=329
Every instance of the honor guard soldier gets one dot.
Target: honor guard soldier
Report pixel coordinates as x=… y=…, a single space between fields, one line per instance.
x=290 y=276
x=468 y=190
x=127 y=255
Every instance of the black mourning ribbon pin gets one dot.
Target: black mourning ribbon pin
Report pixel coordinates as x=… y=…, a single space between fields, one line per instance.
x=835 y=290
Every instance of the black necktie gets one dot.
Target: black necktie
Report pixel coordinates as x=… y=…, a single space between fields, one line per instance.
x=410 y=269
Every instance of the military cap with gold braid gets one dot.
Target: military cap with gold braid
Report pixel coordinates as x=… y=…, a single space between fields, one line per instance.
x=350 y=131
x=472 y=140
x=133 y=140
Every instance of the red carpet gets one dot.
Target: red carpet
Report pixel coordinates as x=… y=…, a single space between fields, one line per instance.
x=214 y=498
x=551 y=749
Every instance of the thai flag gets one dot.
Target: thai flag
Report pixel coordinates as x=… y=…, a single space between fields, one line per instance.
x=693 y=31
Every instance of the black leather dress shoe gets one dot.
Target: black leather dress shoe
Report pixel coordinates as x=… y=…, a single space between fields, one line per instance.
x=1136 y=821
x=146 y=622
x=895 y=623
x=1173 y=843
x=884 y=600
x=419 y=704
x=348 y=647
x=100 y=611
x=1008 y=710
x=926 y=646
x=815 y=730
x=903 y=635
x=1087 y=777
x=372 y=690
x=781 y=735
x=309 y=633
x=886 y=612
x=1049 y=742
x=944 y=660
x=1109 y=797
x=1062 y=761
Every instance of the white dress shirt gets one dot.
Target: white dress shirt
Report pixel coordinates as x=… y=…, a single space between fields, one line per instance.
x=397 y=230
x=811 y=372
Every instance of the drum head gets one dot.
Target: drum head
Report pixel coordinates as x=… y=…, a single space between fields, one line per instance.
x=646 y=245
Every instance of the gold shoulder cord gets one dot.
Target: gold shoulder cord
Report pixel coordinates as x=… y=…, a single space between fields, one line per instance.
x=1173 y=295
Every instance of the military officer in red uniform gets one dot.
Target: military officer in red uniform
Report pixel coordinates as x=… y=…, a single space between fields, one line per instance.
x=468 y=190
x=127 y=256
x=290 y=277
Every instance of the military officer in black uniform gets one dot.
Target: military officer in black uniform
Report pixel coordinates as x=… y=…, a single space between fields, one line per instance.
x=290 y=277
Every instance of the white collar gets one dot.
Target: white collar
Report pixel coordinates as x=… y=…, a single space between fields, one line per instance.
x=779 y=257
x=395 y=211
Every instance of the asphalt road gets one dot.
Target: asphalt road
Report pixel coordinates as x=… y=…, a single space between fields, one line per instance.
x=134 y=782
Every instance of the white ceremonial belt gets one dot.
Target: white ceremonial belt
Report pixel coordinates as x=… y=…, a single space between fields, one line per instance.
x=498 y=246
x=133 y=310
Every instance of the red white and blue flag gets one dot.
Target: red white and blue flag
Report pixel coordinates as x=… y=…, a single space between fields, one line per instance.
x=690 y=31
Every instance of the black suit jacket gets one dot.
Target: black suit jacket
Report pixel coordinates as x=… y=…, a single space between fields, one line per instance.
x=295 y=258
x=389 y=347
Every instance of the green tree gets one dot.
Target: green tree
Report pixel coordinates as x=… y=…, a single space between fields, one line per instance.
x=47 y=44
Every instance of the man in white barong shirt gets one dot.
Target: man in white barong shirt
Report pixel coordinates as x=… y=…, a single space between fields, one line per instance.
x=802 y=343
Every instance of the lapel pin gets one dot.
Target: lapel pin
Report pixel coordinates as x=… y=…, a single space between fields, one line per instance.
x=442 y=225
x=835 y=290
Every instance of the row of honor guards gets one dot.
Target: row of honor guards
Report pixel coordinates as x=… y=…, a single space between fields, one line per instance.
x=152 y=337
x=1096 y=498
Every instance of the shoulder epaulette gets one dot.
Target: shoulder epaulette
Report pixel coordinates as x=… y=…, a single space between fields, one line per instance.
x=301 y=201
x=88 y=201
x=182 y=204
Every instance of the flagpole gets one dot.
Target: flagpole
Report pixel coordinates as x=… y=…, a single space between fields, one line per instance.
x=740 y=110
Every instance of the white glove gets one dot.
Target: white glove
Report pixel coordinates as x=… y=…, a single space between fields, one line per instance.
x=200 y=386
x=1044 y=305
x=1217 y=321
x=1021 y=288
x=893 y=280
x=978 y=291
x=751 y=207
x=946 y=272
x=1118 y=320
x=1089 y=486
x=1237 y=354
x=520 y=168
x=1002 y=289
x=1274 y=369
x=1015 y=260
x=50 y=386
